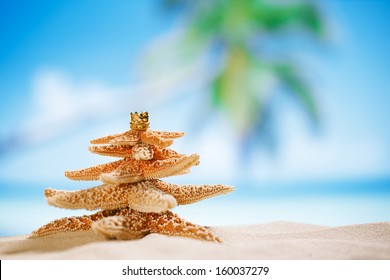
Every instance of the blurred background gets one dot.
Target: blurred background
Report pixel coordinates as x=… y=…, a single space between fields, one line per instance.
x=286 y=100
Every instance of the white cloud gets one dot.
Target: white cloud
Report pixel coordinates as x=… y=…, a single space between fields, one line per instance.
x=60 y=104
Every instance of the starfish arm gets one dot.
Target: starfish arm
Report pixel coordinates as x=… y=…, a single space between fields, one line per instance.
x=169 y=167
x=128 y=138
x=92 y=173
x=129 y=171
x=151 y=138
x=62 y=225
x=72 y=224
x=105 y=139
x=112 y=151
x=138 y=151
x=134 y=225
x=183 y=172
x=169 y=223
x=141 y=196
x=164 y=153
x=134 y=170
x=188 y=194
x=166 y=134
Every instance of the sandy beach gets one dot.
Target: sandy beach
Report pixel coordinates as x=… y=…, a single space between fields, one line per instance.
x=278 y=240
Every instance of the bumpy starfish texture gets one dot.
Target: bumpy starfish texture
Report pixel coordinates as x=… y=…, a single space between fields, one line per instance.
x=161 y=139
x=139 y=133
x=136 y=224
x=128 y=224
x=130 y=170
x=145 y=196
x=72 y=224
x=93 y=173
x=188 y=194
x=141 y=196
x=138 y=152
x=135 y=170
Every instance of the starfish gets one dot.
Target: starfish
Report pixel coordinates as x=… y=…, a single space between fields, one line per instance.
x=138 y=196
x=145 y=196
x=127 y=224
x=130 y=170
x=140 y=133
x=132 y=137
x=138 y=152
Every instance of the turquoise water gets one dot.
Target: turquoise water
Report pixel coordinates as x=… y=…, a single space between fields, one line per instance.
x=23 y=208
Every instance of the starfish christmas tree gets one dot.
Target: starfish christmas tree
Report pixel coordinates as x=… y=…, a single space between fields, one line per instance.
x=132 y=200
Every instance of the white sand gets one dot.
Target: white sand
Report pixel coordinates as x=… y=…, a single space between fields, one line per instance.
x=279 y=240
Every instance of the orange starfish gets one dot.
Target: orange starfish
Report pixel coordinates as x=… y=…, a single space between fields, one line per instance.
x=140 y=133
x=145 y=196
x=138 y=151
x=126 y=223
x=130 y=170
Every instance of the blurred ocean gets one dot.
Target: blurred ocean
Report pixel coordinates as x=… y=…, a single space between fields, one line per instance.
x=334 y=203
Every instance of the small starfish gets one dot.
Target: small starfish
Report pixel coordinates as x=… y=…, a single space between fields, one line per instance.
x=132 y=137
x=138 y=152
x=130 y=170
x=140 y=133
x=145 y=196
x=126 y=224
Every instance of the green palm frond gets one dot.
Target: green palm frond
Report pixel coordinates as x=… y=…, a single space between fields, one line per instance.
x=275 y=17
x=291 y=78
x=245 y=81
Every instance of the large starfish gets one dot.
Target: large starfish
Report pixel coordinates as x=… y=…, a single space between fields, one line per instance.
x=130 y=170
x=126 y=223
x=145 y=196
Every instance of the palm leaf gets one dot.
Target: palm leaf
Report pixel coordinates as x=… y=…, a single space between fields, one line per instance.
x=276 y=17
x=289 y=76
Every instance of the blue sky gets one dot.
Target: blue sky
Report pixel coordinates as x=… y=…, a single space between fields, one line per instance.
x=90 y=40
x=87 y=49
x=67 y=75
